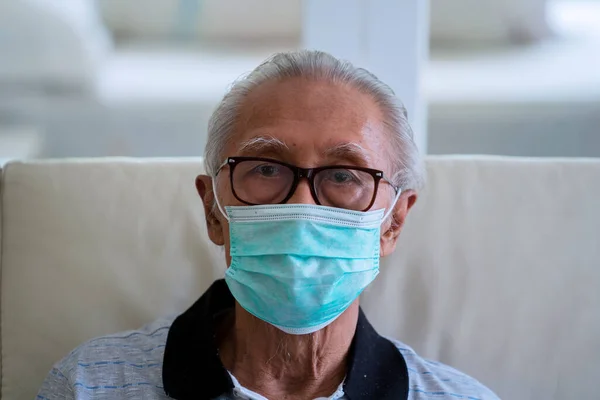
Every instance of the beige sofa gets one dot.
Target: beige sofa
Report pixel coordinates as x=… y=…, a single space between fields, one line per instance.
x=497 y=272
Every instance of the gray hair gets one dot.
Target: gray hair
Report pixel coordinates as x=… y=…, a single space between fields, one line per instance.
x=408 y=171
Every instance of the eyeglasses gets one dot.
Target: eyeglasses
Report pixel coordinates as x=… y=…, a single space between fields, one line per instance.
x=256 y=180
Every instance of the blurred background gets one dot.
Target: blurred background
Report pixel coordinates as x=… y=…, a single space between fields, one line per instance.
x=92 y=78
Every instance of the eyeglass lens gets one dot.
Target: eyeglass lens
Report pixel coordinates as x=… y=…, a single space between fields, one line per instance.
x=264 y=182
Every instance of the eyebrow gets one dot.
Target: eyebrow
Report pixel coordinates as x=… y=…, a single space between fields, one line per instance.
x=349 y=152
x=263 y=144
x=352 y=152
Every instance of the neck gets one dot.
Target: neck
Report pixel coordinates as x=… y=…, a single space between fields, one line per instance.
x=275 y=364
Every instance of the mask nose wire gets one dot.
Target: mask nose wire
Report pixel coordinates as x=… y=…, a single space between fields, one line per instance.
x=389 y=211
x=214 y=185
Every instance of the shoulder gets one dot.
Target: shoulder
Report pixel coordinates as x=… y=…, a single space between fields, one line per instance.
x=141 y=345
x=431 y=379
x=125 y=362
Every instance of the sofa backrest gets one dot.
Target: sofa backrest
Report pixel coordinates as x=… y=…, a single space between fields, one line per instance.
x=497 y=272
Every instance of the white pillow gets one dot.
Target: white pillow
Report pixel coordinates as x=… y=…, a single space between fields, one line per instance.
x=51 y=42
x=146 y=18
x=452 y=21
x=238 y=20
x=488 y=21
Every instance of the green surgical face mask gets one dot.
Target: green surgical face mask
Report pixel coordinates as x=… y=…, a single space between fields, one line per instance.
x=299 y=266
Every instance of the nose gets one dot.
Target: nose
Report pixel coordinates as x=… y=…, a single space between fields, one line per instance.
x=302 y=194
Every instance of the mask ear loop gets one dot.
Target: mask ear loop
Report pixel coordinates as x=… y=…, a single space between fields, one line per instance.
x=391 y=209
x=214 y=185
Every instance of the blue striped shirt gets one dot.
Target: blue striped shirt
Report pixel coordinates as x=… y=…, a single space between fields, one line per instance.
x=129 y=366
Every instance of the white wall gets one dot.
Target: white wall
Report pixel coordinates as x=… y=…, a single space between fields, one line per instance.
x=388 y=37
x=537 y=130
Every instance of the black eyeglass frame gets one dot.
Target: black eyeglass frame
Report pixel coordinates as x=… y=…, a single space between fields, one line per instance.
x=309 y=174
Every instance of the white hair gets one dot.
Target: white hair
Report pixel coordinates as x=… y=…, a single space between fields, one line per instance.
x=408 y=171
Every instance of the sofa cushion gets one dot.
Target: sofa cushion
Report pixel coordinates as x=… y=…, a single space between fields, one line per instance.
x=495 y=274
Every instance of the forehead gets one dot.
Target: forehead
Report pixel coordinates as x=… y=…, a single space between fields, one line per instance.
x=310 y=117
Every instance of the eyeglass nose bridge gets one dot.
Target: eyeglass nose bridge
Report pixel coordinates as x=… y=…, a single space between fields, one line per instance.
x=307 y=173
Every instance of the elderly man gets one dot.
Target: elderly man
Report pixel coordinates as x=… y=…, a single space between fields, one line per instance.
x=312 y=170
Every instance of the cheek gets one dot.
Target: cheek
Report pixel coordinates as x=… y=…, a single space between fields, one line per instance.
x=385 y=197
x=224 y=226
x=226 y=244
x=226 y=198
x=224 y=191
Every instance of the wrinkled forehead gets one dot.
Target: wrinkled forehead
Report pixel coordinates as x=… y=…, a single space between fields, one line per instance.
x=310 y=122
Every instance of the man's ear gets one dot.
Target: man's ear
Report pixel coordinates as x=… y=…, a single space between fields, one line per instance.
x=389 y=238
x=213 y=223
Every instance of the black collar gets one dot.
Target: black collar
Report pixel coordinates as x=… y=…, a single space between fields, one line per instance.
x=192 y=368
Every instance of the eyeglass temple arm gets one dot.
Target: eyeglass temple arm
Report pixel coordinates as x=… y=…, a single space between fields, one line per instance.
x=226 y=162
x=396 y=188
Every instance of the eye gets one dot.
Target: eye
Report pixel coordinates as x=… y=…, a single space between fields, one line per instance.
x=342 y=176
x=267 y=170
